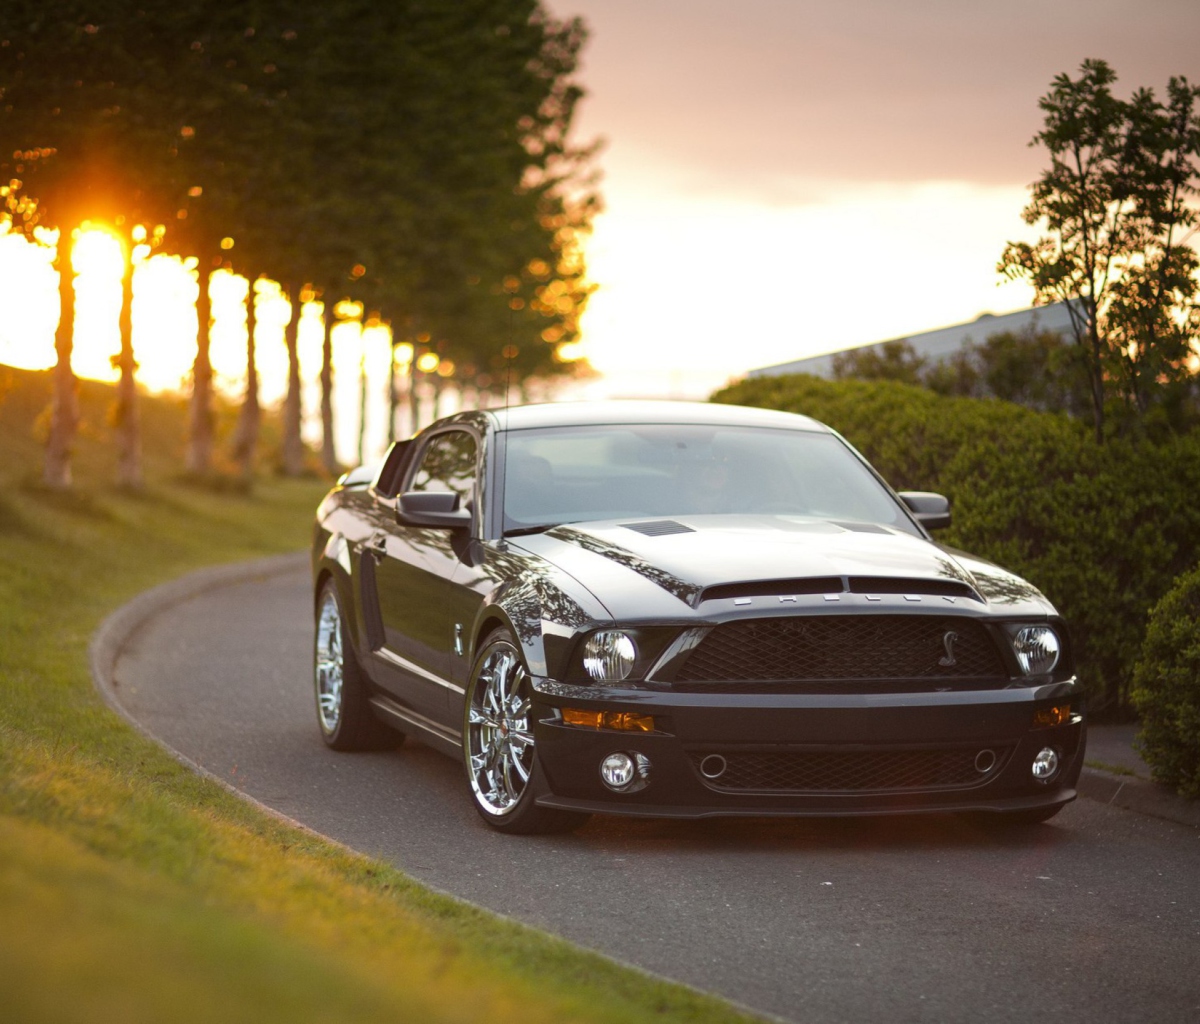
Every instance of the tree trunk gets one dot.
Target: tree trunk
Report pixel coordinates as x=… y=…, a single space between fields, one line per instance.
x=393 y=395
x=1096 y=372
x=414 y=400
x=246 y=443
x=64 y=414
x=362 y=405
x=293 y=447
x=328 y=450
x=200 y=415
x=436 y=412
x=127 y=419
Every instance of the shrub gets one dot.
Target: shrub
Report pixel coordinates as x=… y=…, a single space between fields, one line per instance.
x=1102 y=531
x=1166 y=687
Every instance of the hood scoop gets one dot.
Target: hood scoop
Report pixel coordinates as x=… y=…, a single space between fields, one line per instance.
x=658 y=528
x=768 y=588
x=894 y=585
x=839 y=585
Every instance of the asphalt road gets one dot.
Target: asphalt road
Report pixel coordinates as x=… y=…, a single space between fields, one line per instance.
x=1095 y=915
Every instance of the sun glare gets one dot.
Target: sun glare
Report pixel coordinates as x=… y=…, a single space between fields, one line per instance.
x=29 y=312
x=164 y=320
x=165 y=289
x=99 y=262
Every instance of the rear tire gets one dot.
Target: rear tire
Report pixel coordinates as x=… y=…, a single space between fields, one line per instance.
x=504 y=775
x=343 y=711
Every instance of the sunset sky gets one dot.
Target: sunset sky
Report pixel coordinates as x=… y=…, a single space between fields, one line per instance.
x=782 y=178
x=786 y=177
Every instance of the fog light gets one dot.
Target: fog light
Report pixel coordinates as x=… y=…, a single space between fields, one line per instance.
x=1048 y=718
x=618 y=771
x=625 y=721
x=1045 y=765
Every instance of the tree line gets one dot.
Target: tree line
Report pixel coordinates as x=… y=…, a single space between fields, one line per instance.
x=412 y=156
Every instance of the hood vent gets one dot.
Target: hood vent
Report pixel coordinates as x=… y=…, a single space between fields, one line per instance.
x=658 y=528
x=854 y=527
x=896 y=585
x=769 y=588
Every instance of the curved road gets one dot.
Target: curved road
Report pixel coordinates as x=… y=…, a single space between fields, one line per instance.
x=1095 y=915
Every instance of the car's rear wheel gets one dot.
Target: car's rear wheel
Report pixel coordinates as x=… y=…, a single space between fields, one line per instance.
x=499 y=752
x=343 y=712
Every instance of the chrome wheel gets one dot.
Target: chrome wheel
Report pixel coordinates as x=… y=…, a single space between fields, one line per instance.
x=329 y=666
x=499 y=736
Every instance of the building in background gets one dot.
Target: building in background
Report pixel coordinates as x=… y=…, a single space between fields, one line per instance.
x=937 y=346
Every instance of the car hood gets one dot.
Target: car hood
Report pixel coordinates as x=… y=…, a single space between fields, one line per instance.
x=649 y=568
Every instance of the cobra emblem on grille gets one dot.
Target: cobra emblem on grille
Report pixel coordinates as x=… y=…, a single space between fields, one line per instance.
x=948 y=640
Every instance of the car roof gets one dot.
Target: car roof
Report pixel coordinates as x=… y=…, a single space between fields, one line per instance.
x=564 y=414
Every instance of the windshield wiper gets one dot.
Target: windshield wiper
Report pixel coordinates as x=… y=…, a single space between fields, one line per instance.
x=523 y=531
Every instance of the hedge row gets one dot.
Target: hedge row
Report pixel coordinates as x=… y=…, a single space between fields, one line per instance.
x=1103 y=532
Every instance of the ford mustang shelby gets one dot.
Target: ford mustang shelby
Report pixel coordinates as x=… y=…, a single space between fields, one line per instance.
x=686 y=610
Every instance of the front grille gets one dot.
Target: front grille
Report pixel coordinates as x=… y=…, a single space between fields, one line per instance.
x=852 y=771
x=843 y=647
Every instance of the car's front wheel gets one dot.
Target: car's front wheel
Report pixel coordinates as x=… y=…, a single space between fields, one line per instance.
x=343 y=712
x=499 y=751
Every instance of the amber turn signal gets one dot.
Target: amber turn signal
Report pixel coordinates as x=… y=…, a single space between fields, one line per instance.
x=625 y=721
x=1047 y=718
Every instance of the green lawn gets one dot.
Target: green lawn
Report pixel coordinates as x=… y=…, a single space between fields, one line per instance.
x=132 y=890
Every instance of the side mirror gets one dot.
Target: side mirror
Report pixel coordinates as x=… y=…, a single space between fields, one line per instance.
x=931 y=510
x=439 y=509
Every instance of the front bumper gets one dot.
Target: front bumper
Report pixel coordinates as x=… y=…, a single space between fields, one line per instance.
x=782 y=731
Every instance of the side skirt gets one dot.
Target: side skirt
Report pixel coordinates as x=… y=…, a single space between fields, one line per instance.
x=409 y=721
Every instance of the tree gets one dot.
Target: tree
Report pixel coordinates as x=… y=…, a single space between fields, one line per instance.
x=249 y=421
x=1116 y=216
x=69 y=146
x=96 y=107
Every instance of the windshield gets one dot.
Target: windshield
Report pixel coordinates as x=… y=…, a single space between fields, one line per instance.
x=578 y=474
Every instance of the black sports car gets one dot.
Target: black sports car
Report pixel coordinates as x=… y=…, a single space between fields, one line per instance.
x=685 y=610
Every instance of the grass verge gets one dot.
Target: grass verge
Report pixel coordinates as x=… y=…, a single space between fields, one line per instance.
x=131 y=889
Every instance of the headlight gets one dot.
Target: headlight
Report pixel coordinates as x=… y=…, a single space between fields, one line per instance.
x=608 y=656
x=1037 y=649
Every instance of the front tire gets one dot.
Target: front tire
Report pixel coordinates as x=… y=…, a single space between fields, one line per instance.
x=499 y=754
x=343 y=711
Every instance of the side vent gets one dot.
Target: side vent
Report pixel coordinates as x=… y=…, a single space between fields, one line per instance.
x=369 y=600
x=769 y=588
x=658 y=528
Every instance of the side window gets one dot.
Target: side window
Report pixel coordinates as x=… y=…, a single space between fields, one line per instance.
x=393 y=468
x=448 y=464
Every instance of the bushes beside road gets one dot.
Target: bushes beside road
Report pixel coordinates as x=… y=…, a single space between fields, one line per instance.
x=1102 y=531
x=1167 y=687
